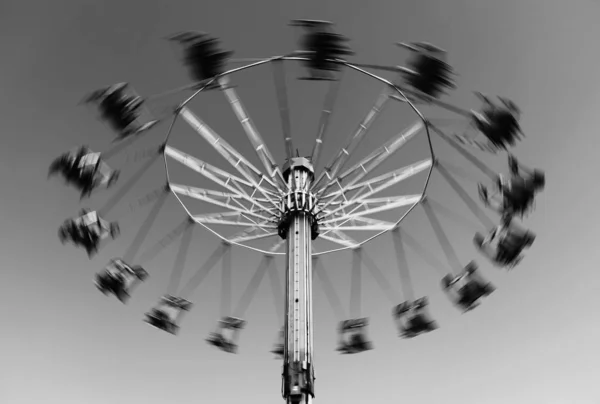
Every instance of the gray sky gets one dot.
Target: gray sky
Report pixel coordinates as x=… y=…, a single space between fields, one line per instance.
x=533 y=341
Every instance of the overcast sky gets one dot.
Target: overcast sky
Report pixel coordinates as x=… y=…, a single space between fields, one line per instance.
x=534 y=341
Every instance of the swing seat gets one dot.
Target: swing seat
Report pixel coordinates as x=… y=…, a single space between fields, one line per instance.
x=158 y=318
x=508 y=260
x=539 y=180
x=431 y=75
x=278 y=350
x=323 y=46
x=483 y=194
x=118 y=278
x=177 y=302
x=518 y=240
x=165 y=320
x=353 y=337
x=401 y=309
x=474 y=287
x=140 y=272
x=83 y=169
x=478 y=240
x=202 y=55
x=113 y=178
x=104 y=282
x=357 y=343
x=502 y=255
x=447 y=281
x=65 y=233
x=509 y=250
x=278 y=347
x=518 y=204
x=499 y=125
x=112 y=283
x=120 y=110
x=413 y=319
x=418 y=324
x=472 y=292
x=218 y=340
x=233 y=323
x=114 y=230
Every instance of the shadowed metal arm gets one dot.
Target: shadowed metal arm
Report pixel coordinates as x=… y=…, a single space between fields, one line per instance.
x=284 y=111
x=324 y=121
x=223 y=218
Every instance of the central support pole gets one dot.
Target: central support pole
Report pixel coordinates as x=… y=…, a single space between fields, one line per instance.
x=299 y=227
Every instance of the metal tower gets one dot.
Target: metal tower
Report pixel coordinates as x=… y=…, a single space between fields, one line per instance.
x=299 y=227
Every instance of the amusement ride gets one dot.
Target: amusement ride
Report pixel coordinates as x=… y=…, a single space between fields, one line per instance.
x=293 y=206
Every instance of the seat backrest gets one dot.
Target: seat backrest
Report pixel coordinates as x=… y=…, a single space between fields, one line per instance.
x=355 y=323
x=233 y=323
x=401 y=309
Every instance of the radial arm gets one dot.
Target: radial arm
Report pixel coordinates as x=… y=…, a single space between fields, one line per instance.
x=338 y=161
x=377 y=205
x=372 y=186
x=368 y=164
x=218 y=176
x=324 y=121
x=284 y=110
x=224 y=218
x=260 y=147
x=203 y=195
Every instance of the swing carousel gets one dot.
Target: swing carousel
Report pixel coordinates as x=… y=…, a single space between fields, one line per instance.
x=291 y=207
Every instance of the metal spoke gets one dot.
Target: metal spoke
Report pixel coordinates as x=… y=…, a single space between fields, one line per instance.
x=239 y=162
x=385 y=181
x=260 y=147
x=376 y=158
x=345 y=237
x=394 y=203
x=200 y=194
x=277 y=246
x=374 y=222
x=359 y=228
x=338 y=241
x=284 y=111
x=368 y=164
x=340 y=159
x=252 y=229
x=252 y=238
x=222 y=219
x=474 y=160
x=325 y=118
x=449 y=107
x=218 y=176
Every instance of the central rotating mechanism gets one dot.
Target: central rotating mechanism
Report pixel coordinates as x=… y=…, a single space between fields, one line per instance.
x=298 y=225
x=299 y=175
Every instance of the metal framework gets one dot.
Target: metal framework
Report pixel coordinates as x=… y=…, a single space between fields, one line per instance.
x=292 y=203
x=255 y=197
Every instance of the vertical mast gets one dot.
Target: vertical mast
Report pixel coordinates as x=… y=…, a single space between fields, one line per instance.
x=298 y=226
